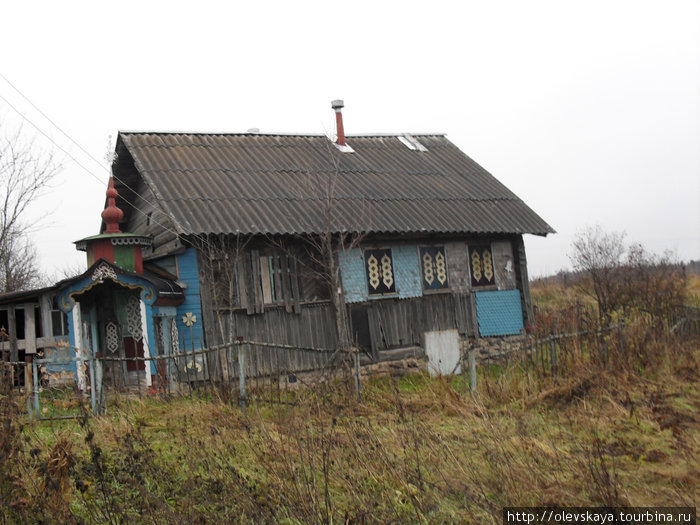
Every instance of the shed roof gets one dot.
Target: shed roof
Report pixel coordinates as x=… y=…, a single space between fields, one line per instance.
x=292 y=184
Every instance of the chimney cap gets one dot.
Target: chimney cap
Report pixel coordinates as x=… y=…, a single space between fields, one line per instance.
x=337 y=104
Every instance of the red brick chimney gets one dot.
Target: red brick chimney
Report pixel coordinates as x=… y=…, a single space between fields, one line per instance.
x=338 y=105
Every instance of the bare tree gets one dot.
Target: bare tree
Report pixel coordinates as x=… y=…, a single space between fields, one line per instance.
x=652 y=283
x=18 y=269
x=598 y=255
x=333 y=239
x=24 y=174
x=623 y=277
x=220 y=259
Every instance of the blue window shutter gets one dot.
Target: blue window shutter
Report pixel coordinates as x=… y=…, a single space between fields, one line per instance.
x=499 y=312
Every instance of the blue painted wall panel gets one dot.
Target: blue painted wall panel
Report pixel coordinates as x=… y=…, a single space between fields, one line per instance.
x=188 y=273
x=499 y=312
x=354 y=280
x=150 y=330
x=407 y=270
x=406 y=273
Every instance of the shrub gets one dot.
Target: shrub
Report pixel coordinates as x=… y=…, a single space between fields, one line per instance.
x=625 y=278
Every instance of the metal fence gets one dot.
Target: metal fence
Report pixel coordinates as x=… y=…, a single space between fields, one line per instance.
x=556 y=354
x=61 y=384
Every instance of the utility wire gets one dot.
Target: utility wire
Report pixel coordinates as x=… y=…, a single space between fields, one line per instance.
x=201 y=238
x=51 y=121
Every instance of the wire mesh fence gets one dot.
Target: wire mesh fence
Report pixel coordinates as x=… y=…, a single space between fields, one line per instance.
x=59 y=385
x=59 y=382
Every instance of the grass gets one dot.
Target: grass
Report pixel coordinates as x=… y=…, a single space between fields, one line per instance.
x=416 y=450
x=694 y=290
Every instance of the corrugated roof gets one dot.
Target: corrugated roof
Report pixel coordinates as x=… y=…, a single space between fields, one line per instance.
x=279 y=184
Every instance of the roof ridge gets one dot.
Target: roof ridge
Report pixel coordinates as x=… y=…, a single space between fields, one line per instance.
x=280 y=133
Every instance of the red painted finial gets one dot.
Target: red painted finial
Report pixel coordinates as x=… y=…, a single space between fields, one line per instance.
x=111 y=214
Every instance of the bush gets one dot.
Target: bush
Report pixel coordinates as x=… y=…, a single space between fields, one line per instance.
x=625 y=278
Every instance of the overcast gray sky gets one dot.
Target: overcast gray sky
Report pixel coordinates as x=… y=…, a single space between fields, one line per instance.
x=588 y=111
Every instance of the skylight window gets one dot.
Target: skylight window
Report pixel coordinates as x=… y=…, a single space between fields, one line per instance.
x=411 y=143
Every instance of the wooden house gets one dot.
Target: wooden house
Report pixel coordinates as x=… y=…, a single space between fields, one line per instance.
x=394 y=243
x=422 y=239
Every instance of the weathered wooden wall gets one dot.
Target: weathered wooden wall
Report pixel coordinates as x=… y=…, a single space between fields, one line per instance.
x=400 y=323
x=379 y=324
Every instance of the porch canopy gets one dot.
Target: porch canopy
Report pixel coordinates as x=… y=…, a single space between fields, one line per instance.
x=153 y=289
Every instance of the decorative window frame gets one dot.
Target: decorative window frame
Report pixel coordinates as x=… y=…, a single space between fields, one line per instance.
x=378 y=272
x=490 y=283
x=424 y=270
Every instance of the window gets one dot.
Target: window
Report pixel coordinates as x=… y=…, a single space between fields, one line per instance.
x=481 y=261
x=276 y=278
x=379 y=268
x=433 y=268
x=59 y=324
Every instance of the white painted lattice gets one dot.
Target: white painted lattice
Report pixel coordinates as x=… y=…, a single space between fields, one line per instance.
x=133 y=317
x=104 y=271
x=112 y=337
x=174 y=337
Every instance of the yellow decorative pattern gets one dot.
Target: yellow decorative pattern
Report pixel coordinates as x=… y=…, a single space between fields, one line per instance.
x=476 y=266
x=428 y=274
x=488 y=266
x=440 y=268
x=387 y=273
x=373 y=271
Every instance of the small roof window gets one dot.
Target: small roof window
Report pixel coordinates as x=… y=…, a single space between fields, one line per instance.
x=411 y=143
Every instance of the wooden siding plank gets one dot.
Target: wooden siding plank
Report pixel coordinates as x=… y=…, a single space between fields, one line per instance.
x=210 y=318
x=295 y=285
x=286 y=289
x=41 y=342
x=265 y=280
x=241 y=283
x=29 y=329
x=12 y=333
x=255 y=278
x=246 y=278
x=522 y=277
x=45 y=315
x=279 y=299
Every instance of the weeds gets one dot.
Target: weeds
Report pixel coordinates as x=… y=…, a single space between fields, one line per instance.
x=617 y=426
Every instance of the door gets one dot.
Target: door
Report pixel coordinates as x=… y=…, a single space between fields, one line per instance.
x=442 y=349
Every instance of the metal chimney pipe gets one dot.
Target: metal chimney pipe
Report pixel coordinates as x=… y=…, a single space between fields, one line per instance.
x=338 y=105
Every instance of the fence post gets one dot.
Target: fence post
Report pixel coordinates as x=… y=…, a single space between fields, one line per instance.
x=620 y=340
x=35 y=391
x=356 y=355
x=472 y=370
x=223 y=362
x=241 y=375
x=93 y=394
x=99 y=393
x=553 y=354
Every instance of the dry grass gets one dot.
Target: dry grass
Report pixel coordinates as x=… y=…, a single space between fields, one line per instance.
x=694 y=290
x=417 y=450
x=623 y=430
